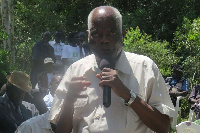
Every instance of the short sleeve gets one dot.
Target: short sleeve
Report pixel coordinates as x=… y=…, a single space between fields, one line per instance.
x=159 y=97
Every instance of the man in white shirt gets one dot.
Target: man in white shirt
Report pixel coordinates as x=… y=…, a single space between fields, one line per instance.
x=58 y=45
x=72 y=52
x=140 y=102
x=37 y=124
x=48 y=99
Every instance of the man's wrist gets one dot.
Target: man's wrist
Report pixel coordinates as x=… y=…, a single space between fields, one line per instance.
x=70 y=98
x=131 y=99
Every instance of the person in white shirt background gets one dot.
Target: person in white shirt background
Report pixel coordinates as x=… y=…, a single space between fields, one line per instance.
x=55 y=80
x=73 y=51
x=58 y=45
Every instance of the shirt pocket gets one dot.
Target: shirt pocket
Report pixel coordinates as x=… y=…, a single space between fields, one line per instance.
x=81 y=102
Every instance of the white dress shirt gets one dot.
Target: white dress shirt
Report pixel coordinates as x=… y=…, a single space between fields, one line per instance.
x=139 y=73
x=58 y=47
x=37 y=124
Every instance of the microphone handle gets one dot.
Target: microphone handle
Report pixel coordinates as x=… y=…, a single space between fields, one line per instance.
x=106 y=96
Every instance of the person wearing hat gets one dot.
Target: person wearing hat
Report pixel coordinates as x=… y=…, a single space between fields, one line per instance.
x=177 y=84
x=40 y=51
x=44 y=80
x=12 y=112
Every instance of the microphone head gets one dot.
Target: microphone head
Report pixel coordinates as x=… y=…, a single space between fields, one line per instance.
x=107 y=61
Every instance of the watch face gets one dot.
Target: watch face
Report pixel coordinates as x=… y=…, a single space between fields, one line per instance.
x=133 y=95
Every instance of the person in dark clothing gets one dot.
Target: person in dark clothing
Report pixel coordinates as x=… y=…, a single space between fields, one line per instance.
x=84 y=43
x=40 y=51
x=177 y=84
x=194 y=99
x=12 y=112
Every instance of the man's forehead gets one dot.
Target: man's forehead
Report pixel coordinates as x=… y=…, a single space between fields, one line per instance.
x=102 y=12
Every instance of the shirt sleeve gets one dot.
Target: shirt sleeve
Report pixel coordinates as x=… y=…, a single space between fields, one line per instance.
x=159 y=95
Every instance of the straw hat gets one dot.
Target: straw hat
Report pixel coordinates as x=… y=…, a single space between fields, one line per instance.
x=20 y=80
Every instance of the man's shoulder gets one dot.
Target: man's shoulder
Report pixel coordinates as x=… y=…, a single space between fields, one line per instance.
x=84 y=63
x=137 y=58
x=86 y=60
x=39 y=43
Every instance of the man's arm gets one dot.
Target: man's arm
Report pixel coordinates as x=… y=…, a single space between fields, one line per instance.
x=65 y=120
x=150 y=116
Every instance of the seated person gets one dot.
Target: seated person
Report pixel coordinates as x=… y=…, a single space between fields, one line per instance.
x=194 y=99
x=48 y=99
x=38 y=124
x=12 y=112
x=44 y=78
x=42 y=87
x=177 y=84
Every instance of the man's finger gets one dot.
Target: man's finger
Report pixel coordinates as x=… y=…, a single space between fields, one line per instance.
x=80 y=84
x=78 y=78
x=106 y=69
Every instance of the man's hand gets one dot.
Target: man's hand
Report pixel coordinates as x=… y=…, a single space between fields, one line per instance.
x=111 y=78
x=76 y=86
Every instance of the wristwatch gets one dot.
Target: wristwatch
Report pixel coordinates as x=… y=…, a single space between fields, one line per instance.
x=132 y=98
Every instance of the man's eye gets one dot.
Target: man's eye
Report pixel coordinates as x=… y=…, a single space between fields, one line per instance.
x=95 y=34
x=113 y=32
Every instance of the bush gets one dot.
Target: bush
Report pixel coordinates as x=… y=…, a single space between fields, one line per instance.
x=187 y=47
x=140 y=43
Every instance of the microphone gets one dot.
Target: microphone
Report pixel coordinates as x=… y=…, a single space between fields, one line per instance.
x=107 y=62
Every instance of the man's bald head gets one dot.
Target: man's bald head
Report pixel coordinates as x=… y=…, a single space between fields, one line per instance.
x=101 y=13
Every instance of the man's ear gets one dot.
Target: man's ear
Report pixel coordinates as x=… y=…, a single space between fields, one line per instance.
x=123 y=33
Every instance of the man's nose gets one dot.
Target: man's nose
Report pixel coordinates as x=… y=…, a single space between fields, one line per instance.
x=104 y=39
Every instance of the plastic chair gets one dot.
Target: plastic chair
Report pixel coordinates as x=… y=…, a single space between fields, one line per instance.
x=177 y=114
x=192 y=116
x=187 y=127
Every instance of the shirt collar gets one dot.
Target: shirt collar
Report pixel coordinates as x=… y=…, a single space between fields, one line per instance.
x=122 y=64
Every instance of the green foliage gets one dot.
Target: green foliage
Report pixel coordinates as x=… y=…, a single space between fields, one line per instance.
x=143 y=44
x=187 y=47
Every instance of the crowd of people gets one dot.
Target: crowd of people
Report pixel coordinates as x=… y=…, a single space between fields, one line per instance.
x=66 y=92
